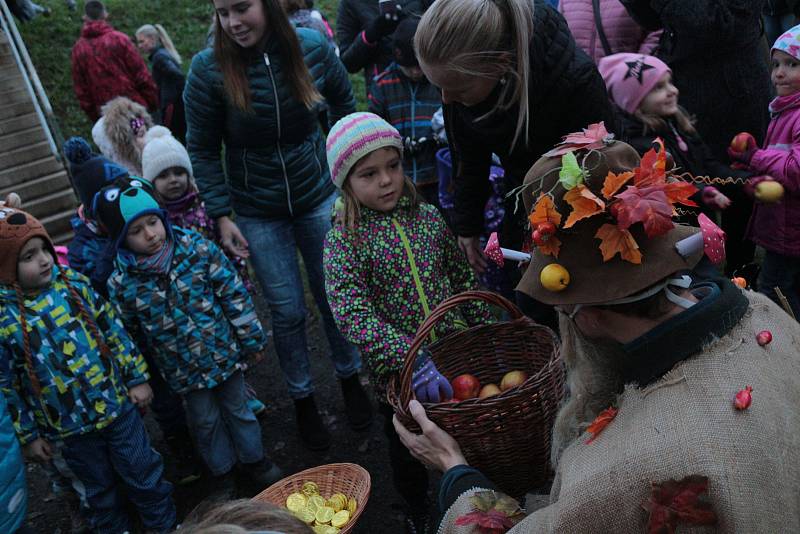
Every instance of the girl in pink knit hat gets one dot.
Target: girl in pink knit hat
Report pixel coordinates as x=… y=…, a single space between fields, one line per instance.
x=642 y=89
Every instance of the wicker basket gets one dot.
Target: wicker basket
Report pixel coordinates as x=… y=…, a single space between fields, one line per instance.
x=506 y=437
x=350 y=479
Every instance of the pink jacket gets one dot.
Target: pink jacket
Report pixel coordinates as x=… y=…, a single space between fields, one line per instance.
x=776 y=227
x=622 y=32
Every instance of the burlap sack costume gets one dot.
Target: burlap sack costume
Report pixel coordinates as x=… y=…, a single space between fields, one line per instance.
x=684 y=423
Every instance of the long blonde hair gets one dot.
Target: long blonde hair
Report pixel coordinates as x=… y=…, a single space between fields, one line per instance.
x=161 y=37
x=486 y=39
x=656 y=124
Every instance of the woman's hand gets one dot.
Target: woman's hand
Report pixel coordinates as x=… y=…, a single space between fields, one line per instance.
x=472 y=248
x=232 y=239
x=39 y=450
x=434 y=447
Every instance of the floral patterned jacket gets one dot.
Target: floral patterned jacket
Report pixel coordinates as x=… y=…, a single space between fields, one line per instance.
x=386 y=276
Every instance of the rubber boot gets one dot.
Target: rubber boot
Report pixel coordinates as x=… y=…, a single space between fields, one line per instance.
x=310 y=426
x=357 y=406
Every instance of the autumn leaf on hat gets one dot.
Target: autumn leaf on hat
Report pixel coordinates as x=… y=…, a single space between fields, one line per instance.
x=493 y=513
x=649 y=206
x=678 y=501
x=551 y=247
x=584 y=204
x=615 y=241
x=679 y=192
x=614 y=182
x=544 y=211
x=652 y=169
x=591 y=138
x=571 y=173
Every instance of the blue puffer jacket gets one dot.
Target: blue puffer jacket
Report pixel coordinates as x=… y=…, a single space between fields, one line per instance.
x=90 y=254
x=197 y=320
x=13 y=495
x=274 y=156
x=81 y=391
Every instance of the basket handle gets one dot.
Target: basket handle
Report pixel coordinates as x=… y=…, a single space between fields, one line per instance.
x=430 y=322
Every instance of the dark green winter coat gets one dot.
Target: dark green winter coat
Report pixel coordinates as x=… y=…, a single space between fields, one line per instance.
x=275 y=155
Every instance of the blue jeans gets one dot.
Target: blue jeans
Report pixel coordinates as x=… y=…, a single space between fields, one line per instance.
x=115 y=461
x=273 y=251
x=782 y=272
x=224 y=427
x=167 y=405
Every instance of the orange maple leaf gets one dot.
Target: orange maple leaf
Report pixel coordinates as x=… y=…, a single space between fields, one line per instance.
x=614 y=240
x=544 y=210
x=600 y=422
x=584 y=204
x=614 y=182
x=652 y=169
x=551 y=247
x=679 y=193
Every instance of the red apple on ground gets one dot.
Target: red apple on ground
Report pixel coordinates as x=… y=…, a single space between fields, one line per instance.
x=513 y=379
x=465 y=387
x=489 y=390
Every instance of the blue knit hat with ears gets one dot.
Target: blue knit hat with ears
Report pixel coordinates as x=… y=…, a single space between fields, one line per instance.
x=118 y=205
x=90 y=172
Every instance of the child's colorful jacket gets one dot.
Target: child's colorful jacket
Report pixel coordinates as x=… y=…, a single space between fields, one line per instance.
x=776 y=227
x=379 y=294
x=89 y=254
x=79 y=393
x=197 y=320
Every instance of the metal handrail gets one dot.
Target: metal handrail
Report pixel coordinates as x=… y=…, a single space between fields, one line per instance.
x=32 y=83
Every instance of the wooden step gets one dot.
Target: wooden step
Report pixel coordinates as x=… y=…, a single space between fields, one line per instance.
x=15 y=95
x=58 y=225
x=39 y=187
x=21 y=138
x=54 y=203
x=14 y=124
x=25 y=154
x=29 y=171
x=15 y=109
x=13 y=81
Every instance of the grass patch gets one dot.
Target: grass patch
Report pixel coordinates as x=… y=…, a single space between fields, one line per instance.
x=50 y=40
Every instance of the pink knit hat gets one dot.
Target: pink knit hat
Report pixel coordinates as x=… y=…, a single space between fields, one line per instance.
x=630 y=77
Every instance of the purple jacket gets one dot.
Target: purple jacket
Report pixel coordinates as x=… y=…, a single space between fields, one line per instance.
x=622 y=32
x=776 y=227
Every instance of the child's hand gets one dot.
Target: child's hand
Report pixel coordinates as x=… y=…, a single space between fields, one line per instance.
x=471 y=246
x=742 y=148
x=39 y=450
x=714 y=199
x=232 y=239
x=141 y=395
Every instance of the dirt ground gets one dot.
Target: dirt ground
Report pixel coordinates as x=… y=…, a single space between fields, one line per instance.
x=368 y=448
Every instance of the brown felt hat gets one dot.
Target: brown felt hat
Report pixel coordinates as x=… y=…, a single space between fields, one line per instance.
x=17 y=228
x=593 y=281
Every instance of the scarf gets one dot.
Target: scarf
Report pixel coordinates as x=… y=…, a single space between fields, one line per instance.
x=160 y=262
x=782 y=103
x=188 y=212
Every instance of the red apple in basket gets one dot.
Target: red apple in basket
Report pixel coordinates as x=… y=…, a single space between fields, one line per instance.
x=489 y=390
x=465 y=387
x=513 y=379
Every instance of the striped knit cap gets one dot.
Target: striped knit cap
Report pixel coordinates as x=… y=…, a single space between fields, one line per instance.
x=354 y=137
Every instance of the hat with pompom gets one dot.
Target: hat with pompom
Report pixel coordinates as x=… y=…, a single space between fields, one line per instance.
x=17 y=228
x=354 y=137
x=161 y=152
x=90 y=172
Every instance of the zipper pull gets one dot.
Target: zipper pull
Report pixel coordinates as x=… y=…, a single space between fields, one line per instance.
x=266 y=59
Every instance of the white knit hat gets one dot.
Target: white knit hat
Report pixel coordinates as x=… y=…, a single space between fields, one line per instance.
x=162 y=151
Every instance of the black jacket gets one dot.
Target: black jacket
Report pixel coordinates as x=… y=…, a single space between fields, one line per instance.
x=716 y=52
x=566 y=93
x=170 y=81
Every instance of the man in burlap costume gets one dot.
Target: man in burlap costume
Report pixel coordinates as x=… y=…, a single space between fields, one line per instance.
x=670 y=355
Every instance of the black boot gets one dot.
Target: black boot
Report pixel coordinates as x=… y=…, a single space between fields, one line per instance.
x=187 y=466
x=310 y=426
x=262 y=474
x=356 y=403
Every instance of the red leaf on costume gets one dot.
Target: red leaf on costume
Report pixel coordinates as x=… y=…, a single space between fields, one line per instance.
x=600 y=422
x=614 y=240
x=490 y=522
x=614 y=182
x=652 y=169
x=649 y=206
x=679 y=193
x=672 y=502
x=589 y=139
x=551 y=247
x=584 y=204
x=544 y=210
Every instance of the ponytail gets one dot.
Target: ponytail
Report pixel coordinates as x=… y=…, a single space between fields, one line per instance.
x=486 y=39
x=161 y=36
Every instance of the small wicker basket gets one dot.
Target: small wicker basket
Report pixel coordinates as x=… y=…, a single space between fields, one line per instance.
x=507 y=436
x=349 y=479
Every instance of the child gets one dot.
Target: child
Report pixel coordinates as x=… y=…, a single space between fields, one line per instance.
x=302 y=14
x=166 y=165
x=186 y=305
x=403 y=97
x=73 y=379
x=165 y=63
x=776 y=226
x=119 y=134
x=387 y=265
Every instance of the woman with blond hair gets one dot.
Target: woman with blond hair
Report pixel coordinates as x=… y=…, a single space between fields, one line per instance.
x=165 y=63
x=513 y=83
x=258 y=92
